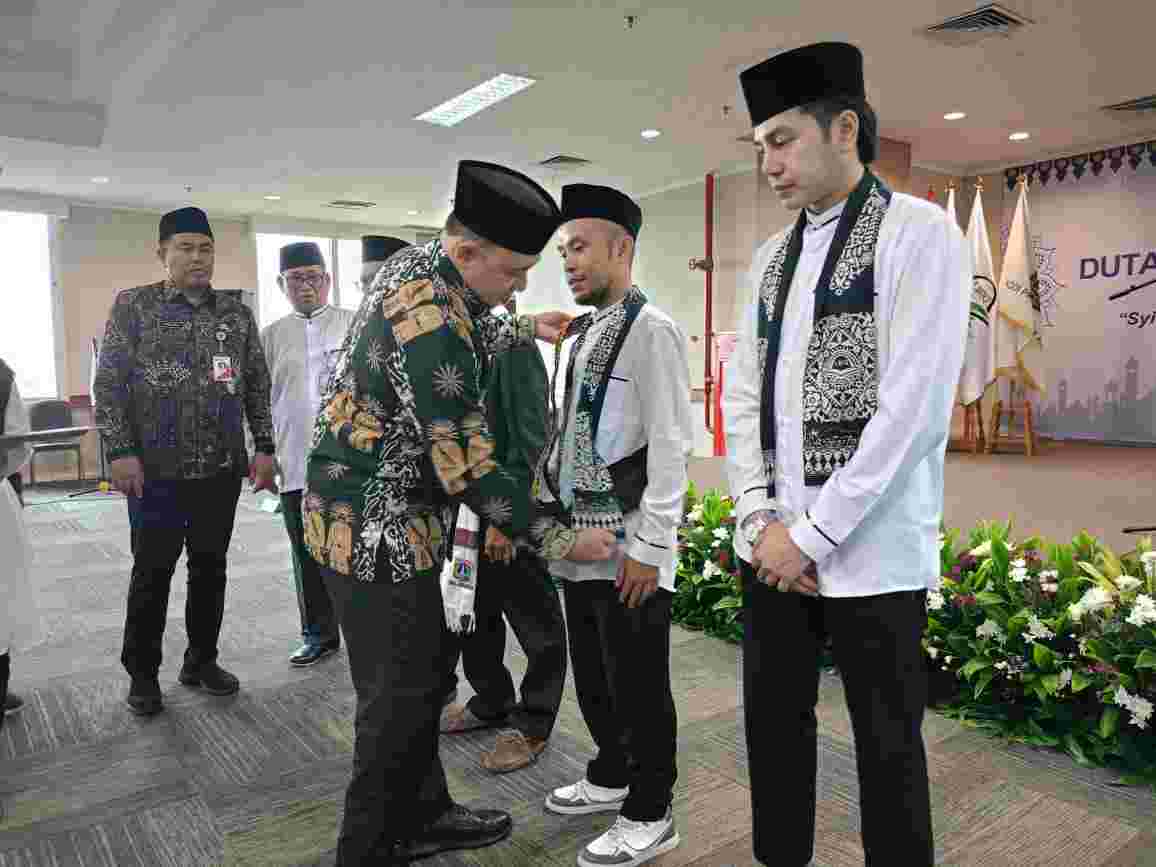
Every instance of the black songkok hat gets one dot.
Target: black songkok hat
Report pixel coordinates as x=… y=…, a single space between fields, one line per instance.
x=801 y=76
x=186 y=220
x=299 y=255
x=378 y=248
x=505 y=206
x=580 y=201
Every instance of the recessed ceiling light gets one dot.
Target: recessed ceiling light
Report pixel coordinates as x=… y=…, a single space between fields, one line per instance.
x=651 y=133
x=272 y=198
x=454 y=111
x=955 y=115
x=413 y=213
x=100 y=180
x=1019 y=136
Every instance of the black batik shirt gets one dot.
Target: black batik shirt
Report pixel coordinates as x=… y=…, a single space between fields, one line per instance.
x=157 y=395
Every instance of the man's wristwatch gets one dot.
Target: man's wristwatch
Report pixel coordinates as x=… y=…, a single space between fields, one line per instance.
x=755 y=523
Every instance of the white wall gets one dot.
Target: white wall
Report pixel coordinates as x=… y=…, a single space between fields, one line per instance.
x=101 y=251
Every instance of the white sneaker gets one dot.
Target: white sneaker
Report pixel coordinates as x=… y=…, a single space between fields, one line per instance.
x=629 y=843
x=583 y=797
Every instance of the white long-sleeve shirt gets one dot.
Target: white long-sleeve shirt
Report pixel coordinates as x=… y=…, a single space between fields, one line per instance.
x=647 y=404
x=301 y=352
x=882 y=510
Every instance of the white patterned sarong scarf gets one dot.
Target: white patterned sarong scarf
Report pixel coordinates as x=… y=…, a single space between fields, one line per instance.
x=840 y=383
x=459 y=578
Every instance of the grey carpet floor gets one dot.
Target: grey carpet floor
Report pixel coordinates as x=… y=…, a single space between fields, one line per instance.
x=257 y=779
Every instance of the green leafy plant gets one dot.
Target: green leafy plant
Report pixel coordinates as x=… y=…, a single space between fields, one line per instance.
x=708 y=595
x=1049 y=644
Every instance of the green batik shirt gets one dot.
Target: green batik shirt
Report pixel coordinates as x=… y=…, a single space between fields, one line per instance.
x=402 y=438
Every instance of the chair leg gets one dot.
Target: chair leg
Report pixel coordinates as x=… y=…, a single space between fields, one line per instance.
x=996 y=413
x=1029 y=430
x=982 y=440
x=32 y=471
x=79 y=465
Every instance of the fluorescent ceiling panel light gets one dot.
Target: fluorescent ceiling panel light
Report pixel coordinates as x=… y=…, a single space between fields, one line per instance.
x=1019 y=136
x=454 y=111
x=651 y=133
x=954 y=115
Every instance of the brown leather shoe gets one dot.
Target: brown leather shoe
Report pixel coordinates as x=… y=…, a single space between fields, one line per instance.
x=513 y=752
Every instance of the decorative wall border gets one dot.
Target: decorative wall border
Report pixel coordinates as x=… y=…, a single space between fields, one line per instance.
x=1077 y=166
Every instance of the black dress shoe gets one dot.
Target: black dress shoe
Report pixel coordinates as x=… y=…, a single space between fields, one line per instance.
x=461 y=828
x=144 y=696
x=211 y=678
x=308 y=654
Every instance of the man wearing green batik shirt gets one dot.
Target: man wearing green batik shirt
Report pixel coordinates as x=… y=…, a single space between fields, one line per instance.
x=400 y=442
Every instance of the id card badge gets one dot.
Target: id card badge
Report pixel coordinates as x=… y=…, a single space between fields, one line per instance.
x=222 y=368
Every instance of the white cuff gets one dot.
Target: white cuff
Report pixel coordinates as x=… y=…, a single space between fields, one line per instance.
x=811 y=540
x=647 y=553
x=751 y=501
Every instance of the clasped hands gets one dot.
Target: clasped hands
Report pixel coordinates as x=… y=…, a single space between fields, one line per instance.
x=636 y=582
x=781 y=564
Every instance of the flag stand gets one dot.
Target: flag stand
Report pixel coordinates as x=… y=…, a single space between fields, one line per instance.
x=974 y=436
x=1029 y=421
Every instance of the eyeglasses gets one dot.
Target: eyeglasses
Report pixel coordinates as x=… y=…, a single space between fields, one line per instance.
x=313 y=279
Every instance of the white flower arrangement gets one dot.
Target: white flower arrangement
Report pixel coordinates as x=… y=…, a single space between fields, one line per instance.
x=1127 y=583
x=990 y=629
x=1094 y=599
x=1037 y=630
x=1148 y=560
x=935 y=601
x=1140 y=708
x=1143 y=611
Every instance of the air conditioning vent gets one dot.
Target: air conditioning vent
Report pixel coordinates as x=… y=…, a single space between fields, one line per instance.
x=350 y=204
x=968 y=28
x=563 y=161
x=1144 y=103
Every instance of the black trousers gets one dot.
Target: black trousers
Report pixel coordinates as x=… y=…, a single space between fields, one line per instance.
x=876 y=641
x=399 y=656
x=621 y=662
x=318 y=620
x=524 y=592
x=192 y=514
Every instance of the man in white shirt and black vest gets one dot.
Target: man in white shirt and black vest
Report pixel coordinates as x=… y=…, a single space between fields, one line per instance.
x=300 y=349
x=837 y=406
x=619 y=464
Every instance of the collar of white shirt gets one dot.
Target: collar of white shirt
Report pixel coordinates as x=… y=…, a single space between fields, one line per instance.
x=319 y=312
x=818 y=221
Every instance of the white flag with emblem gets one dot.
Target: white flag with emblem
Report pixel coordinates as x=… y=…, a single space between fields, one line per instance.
x=1017 y=327
x=979 y=354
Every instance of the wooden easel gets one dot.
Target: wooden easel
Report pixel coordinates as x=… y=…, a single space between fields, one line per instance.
x=1023 y=405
